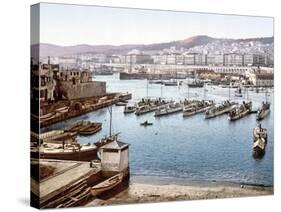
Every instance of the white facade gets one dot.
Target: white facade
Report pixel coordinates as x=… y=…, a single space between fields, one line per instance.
x=115 y=157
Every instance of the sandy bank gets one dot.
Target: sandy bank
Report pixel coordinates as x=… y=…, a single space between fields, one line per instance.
x=140 y=193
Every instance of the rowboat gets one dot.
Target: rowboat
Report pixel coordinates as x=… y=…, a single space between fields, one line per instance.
x=92 y=129
x=107 y=184
x=146 y=123
x=78 y=127
x=130 y=109
x=121 y=104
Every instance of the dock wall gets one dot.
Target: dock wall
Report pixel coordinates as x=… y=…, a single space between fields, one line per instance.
x=83 y=90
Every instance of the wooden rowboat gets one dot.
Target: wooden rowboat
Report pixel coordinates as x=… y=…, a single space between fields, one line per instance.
x=107 y=184
x=92 y=129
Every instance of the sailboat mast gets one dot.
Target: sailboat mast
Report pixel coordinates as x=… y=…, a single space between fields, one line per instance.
x=229 y=92
x=247 y=94
x=188 y=85
x=147 y=88
x=204 y=92
x=266 y=94
x=110 y=120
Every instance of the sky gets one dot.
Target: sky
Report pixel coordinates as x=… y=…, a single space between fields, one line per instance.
x=72 y=24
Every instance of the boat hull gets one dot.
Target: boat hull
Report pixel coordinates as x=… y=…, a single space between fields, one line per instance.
x=218 y=113
x=168 y=112
x=86 y=155
x=91 y=131
x=107 y=185
x=239 y=116
x=262 y=115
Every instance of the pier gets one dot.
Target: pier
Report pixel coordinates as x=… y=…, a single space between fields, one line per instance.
x=76 y=108
x=68 y=186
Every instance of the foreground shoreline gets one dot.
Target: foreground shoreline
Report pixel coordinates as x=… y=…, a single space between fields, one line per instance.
x=147 y=193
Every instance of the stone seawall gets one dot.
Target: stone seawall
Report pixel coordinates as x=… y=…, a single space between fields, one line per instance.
x=83 y=90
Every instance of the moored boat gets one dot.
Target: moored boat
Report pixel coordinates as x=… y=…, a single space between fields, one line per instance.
x=92 y=129
x=121 y=103
x=259 y=148
x=196 y=84
x=130 y=109
x=169 y=109
x=197 y=108
x=107 y=184
x=259 y=141
x=239 y=111
x=171 y=83
x=263 y=111
x=74 y=151
x=77 y=127
x=260 y=132
x=145 y=109
x=214 y=111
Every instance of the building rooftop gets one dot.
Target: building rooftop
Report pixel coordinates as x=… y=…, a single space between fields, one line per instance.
x=115 y=145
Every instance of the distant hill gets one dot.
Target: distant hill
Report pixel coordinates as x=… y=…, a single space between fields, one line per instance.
x=56 y=50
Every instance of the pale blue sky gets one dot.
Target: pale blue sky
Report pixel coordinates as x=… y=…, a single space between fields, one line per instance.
x=72 y=24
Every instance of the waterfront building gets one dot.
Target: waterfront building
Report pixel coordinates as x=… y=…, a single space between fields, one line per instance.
x=215 y=59
x=58 y=83
x=262 y=79
x=136 y=59
x=47 y=84
x=269 y=60
x=233 y=59
x=253 y=60
x=114 y=158
x=171 y=59
x=200 y=59
x=189 y=59
x=160 y=59
x=195 y=59
x=179 y=59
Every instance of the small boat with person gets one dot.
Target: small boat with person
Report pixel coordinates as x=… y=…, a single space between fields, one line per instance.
x=146 y=123
x=238 y=92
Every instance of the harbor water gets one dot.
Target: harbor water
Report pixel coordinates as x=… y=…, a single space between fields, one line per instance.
x=190 y=149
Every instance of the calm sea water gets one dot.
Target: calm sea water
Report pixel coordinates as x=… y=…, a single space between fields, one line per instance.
x=187 y=149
